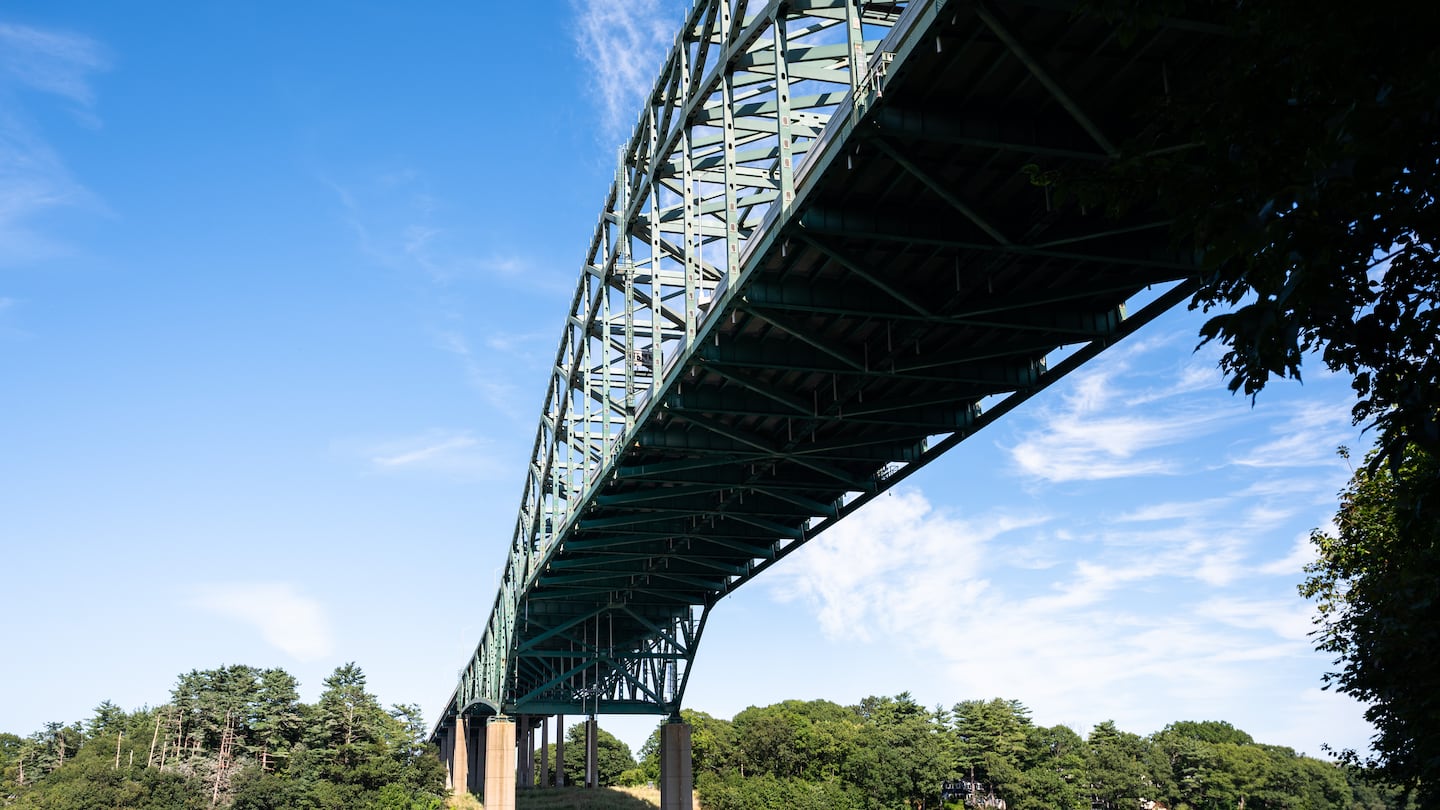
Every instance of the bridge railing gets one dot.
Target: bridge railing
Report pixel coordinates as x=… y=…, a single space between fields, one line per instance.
x=747 y=90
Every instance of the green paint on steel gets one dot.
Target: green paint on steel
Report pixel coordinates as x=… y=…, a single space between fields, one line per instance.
x=818 y=255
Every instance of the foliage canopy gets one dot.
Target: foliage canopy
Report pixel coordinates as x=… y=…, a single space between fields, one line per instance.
x=1378 y=597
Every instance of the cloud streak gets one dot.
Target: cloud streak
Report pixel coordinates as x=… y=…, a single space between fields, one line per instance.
x=283 y=616
x=624 y=43
x=1165 y=584
x=1094 y=436
x=1135 y=634
x=50 y=62
x=456 y=453
x=33 y=177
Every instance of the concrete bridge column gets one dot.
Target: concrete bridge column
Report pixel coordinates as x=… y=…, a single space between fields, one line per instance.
x=559 y=750
x=527 y=753
x=477 y=756
x=522 y=741
x=677 y=779
x=545 y=753
x=447 y=750
x=500 y=764
x=592 y=751
x=460 y=757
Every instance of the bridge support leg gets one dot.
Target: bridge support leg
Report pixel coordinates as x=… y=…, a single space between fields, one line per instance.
x=559 y=750
x=500 y=764
x=529 y=766
x=545 y=781
x=522 y=752
x=592 y=750
x=478 y=753
x=677 y=779
x=447 y=752
x=460 y=757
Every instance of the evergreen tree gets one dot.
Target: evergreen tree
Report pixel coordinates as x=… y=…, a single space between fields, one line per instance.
x=1116 y=768
x=276 y=719
x=346 y=715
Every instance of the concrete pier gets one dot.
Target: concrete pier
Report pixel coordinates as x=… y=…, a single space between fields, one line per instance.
x=500 y=762
x=559 y=750
x=677 y=779
x=460 y=757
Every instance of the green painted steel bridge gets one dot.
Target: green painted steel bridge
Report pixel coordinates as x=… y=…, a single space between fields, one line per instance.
x=821 y=265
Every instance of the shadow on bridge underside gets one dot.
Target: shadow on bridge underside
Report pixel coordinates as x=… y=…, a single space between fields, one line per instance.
x=755 y=352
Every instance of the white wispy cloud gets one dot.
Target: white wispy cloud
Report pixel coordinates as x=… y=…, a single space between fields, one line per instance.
x=873 y=572
x=485 y=375
x=1119 y=619
x=1092 y=435
x=427 y=453
x=284 y=616
x=54 y=62
x=1287 y=618
x=1178 y=597
x=447 y=452
x=624 y=42
x=1307 y=438
x=33 y=176
x=1173 y=510
x=1302 y=553
x=398 y=223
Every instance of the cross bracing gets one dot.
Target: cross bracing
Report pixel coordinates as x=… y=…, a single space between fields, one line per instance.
x=820 y=265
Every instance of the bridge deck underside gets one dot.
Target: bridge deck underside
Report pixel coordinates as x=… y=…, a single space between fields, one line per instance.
x=919 y=275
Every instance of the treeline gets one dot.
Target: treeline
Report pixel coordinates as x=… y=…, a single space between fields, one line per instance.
x=240 y=737
x=236 y=737
x=890 y=753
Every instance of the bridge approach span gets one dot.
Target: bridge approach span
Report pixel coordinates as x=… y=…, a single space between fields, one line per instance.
x=822 y=263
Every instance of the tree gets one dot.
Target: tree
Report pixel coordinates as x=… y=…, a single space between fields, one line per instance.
x=346 y=715
x=902 y=755
x=357 y=754
x=275 y=712
x=1210 y=731
x=1378 y=599
x=1054 y=778
x=1115 y=767
x=802 y=739
x=998 y=727
x=108 y=719
x=213 y=700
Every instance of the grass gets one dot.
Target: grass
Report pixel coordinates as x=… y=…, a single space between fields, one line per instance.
x=573 y=798
x=462 y=802
x=632 y=798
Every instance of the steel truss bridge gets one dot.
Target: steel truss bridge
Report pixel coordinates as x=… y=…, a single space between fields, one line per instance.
x=821 y=265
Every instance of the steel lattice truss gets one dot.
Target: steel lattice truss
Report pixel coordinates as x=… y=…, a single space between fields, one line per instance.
x=820 y=265
x=746 y=91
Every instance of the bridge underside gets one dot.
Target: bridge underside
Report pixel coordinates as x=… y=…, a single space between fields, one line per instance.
x=920 y=286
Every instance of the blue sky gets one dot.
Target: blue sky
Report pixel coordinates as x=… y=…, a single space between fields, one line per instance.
x=278 y=288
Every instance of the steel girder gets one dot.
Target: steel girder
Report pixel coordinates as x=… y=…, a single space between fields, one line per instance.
x=807 y=282
x=746 y=90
